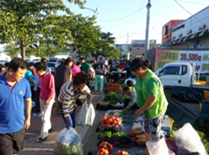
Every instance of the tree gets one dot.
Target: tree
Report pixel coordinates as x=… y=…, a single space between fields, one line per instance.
x=85 y=34
x=30 y=22
x=113 y=54
x=12 y=50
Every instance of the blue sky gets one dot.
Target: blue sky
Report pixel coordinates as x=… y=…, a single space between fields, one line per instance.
x=162 y=11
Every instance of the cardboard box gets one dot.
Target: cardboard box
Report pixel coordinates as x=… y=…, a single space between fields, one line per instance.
x=166 y=127
x=207 y=80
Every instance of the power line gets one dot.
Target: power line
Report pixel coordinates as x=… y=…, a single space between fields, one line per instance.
x=192 y=2
x=123 y=16
x=191 y=13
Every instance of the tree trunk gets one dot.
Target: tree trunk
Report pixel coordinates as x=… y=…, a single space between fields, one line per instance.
x=22 y=48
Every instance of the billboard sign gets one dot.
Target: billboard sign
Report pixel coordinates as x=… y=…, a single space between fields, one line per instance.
x=141 y=43
x=201 y=58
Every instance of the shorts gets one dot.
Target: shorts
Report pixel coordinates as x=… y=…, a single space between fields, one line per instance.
x=153 y=126
x=12 y=143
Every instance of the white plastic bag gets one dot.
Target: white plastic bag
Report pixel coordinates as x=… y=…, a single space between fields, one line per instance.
x=68 y=143
x=137 y=125
x=86 y=115
x=157 y=148
x=187 y=137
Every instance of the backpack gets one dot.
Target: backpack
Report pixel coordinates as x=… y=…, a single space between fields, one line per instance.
x=92 y=73
x=101 y=69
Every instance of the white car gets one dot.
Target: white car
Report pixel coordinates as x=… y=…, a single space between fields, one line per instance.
x=36 y=60
x=53 y=66
x=2 y=62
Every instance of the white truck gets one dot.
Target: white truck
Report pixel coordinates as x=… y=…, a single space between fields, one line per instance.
x=179 y=74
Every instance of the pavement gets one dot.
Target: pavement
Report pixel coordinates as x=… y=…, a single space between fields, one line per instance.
x=46 y=148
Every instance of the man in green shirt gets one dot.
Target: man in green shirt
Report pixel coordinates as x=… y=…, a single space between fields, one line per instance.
x=84 y=66
x=150 y=99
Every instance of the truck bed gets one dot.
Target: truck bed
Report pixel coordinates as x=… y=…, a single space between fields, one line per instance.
x=193 y=107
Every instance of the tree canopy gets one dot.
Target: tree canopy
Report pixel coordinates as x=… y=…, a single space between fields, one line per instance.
x=29 y=22
x=12 y=50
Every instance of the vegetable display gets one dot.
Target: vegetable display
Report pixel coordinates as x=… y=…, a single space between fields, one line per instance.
x=120 y=152
x=106 y=134
x=119 y=134
x=111 y=96
x=114 y=86
x=111 y=121
x=105 y=148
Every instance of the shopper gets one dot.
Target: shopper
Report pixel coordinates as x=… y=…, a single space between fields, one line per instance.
x=69 y=94
x=63 y=74
x=31 y=79
x=3 y=69
x=100 y=72
x=47 y=95
x=36 y=109
x=15 y=107
x=84 y=66
x=76 y=69
x=150 y=99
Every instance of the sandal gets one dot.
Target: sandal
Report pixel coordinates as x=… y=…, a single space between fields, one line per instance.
x=141 y=152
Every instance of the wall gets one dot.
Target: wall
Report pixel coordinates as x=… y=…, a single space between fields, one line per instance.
x=135 y=52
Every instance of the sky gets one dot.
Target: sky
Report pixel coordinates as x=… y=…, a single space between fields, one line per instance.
x=126 y=19
x=111 y=15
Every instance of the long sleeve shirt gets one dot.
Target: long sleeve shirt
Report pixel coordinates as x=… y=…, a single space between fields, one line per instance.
x=47 y=86
x=132 y=100
x=67 y=98
x=37 y=82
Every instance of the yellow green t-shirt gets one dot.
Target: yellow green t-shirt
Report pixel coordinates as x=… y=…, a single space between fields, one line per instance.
x=151 y=86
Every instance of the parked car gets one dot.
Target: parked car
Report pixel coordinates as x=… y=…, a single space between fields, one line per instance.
x=28 y=60
x=53 y=66
x=36 y=60
x=2 y=62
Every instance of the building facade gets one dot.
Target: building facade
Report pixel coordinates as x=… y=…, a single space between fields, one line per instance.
x=192 y=33
x=124 y=48
x=138 y=47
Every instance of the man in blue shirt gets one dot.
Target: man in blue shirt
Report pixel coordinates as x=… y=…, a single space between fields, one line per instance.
x=15 y=107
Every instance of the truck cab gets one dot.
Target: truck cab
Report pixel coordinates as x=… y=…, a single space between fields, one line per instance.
x=176 y=74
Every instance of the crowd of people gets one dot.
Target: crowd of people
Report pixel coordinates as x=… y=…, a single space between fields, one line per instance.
x=22 y=83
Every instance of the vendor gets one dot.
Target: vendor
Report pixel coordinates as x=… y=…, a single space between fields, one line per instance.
x=131 y=102
x=150 y=99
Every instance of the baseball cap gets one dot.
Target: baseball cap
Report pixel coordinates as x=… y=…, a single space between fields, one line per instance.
x=44 y=60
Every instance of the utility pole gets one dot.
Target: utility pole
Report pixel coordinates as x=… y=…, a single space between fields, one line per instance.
x=127 y=43
x=147 y=29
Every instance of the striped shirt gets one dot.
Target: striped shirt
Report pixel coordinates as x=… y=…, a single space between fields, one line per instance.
x=67 y=98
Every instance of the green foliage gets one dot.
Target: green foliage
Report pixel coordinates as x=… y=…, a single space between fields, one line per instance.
x=106 y=134
x=12 y=50
x=111 y=96
x=35 y=21
x=119 y=134
x=113 y=54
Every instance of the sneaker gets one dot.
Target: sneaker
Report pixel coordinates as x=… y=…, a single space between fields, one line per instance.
x=40 y=140
x=50 y=130
x=34 y=114
x=38 y=115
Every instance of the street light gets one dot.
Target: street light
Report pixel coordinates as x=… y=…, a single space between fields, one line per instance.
x=95 y=11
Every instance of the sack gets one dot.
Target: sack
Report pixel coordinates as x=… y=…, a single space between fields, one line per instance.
x=86 y=115
x=92 y=73
x=68 y=143
x=101 y=70
x=187 y=138
x=157 y=148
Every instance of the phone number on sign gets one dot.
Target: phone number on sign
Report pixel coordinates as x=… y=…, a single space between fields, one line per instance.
x=190 y=57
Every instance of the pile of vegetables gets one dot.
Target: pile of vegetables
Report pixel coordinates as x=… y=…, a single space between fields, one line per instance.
x=111 y=121
x=105 y=134
x=111 y=96
x=114 y=86
x=119 y=134
x=105 y=148
x=120 y=152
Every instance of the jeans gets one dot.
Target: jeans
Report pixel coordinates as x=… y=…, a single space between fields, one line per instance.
x=99 y=79
x=72 y=119
x=46 y=116
x=36 y=109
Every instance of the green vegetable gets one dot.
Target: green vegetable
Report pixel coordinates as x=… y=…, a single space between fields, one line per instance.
x=111 y=96
x=106 y=134
x=114 y=128
x=119 y=134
